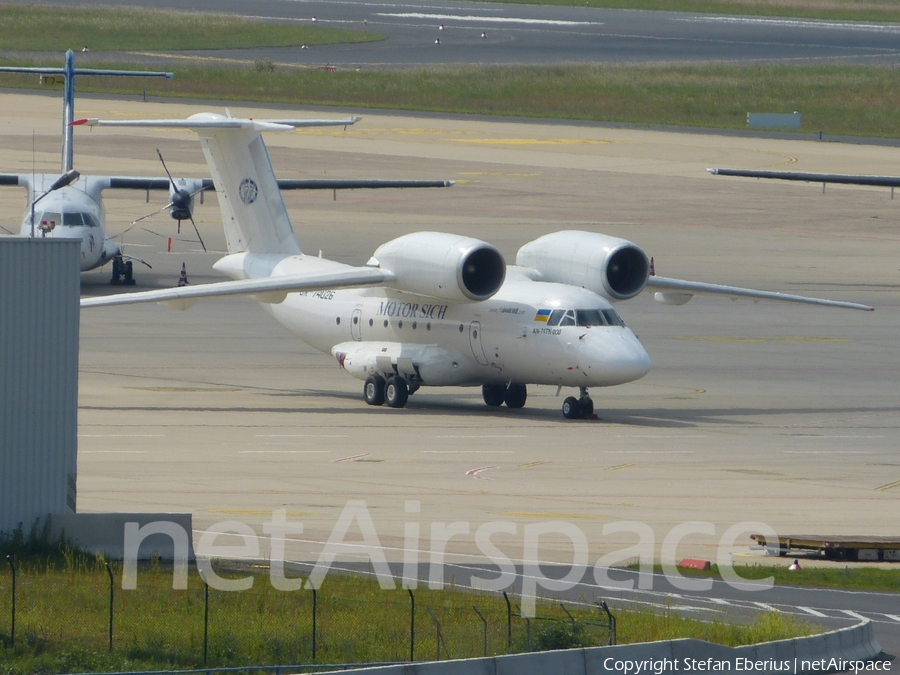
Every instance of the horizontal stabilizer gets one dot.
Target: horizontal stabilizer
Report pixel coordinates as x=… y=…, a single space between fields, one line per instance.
x=842 y=178
x=206 y=121
x=665 y=284
x=351 y=278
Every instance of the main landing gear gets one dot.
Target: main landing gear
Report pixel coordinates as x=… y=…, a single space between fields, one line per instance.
x=513 y=395
x=395 y=390
x=578 y=408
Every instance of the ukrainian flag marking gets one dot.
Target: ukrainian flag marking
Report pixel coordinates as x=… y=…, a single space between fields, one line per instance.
x=542 y=315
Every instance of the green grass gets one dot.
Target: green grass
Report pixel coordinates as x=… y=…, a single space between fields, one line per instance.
x=852 y=100
x=850 y=577
x=57 y=28
x=853 y=10
x=62 y=623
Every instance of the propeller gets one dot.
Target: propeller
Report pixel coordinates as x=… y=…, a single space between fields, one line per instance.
x=180 y=203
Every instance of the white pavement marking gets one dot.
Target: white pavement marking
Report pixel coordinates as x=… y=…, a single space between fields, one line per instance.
x=488 y=19
x=282 y=452
x=894 y=617
x=486 y=436
x=468 y=452
x=810 y=610
x=719 y=601
x=770 y=608
x=855 y=615
x=121 y=435
x=301 y=436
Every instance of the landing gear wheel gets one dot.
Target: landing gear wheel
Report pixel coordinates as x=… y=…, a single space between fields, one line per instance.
x=571 y=409
x=493 y=394
x=515 y=395
x=587 y=405
x=396 y=393
x=373 y=390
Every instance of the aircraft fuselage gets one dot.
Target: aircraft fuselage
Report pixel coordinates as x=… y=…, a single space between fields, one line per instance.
x=528 y=332
x=72 y=212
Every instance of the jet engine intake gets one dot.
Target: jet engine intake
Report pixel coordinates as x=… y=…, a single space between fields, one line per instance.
x=613 y=268
x=445 y=266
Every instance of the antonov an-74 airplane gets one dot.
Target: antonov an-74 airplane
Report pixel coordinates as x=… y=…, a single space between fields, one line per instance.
x=430 y=308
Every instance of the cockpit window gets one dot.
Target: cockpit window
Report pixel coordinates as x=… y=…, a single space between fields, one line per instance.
x=89 y=220
x=555 y=316
x=73 y=220
x=49 y=219
x=612 y=317
x=589 y=317
x=568 y=319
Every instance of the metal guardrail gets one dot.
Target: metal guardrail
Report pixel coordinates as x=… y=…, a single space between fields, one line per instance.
x=278 y=670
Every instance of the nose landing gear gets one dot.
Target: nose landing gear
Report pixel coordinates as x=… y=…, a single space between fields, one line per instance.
x=578 y=408
x=122 y=272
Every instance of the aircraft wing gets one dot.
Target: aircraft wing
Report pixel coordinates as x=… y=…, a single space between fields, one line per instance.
x=686 y=289
x=846 y=179
x=137 y=183
x=350 y=278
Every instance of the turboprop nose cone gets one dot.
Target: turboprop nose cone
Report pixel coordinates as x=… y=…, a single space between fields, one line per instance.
x=616 y=356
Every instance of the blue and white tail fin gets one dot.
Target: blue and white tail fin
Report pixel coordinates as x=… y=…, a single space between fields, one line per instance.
x=253 y=213
x=68 y=72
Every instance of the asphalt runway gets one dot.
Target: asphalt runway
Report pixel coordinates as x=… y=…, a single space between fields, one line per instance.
x=440 y=32
x=768 y=413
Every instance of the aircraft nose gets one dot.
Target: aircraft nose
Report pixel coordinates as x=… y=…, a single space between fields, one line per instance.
x=615 y=356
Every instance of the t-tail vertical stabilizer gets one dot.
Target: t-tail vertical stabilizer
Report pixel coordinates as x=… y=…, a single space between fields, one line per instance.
x=253 y=212
x=68 y=73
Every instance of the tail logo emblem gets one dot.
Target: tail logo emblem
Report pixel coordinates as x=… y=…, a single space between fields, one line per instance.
x=248 y=190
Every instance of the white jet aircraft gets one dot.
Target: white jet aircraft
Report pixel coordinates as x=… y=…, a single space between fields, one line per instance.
x=429 y=308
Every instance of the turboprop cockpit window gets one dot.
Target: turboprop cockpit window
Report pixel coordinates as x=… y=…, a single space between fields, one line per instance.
x=73 y=220
x=49 y=219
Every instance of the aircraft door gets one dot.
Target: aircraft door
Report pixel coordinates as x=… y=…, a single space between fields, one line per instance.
x=355 y=325
x=475 y=343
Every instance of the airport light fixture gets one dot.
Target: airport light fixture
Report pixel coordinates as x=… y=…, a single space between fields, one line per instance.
x=67 y=178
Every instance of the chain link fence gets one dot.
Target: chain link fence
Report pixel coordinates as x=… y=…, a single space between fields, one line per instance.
x=348 y=620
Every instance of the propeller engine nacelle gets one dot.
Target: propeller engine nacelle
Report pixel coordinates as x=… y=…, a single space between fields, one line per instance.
x=613 y=268
x=446 y=266
x=181 y=197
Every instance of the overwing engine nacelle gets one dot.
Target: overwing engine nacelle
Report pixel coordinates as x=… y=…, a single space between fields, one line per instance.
x=613 y=268
x=445 y=266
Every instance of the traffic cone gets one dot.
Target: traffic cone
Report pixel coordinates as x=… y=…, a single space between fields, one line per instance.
x=182 y=280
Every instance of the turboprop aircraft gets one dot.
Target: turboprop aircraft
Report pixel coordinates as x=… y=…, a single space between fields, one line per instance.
x=69 y=205
x=429 y=308
x=64 y=205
